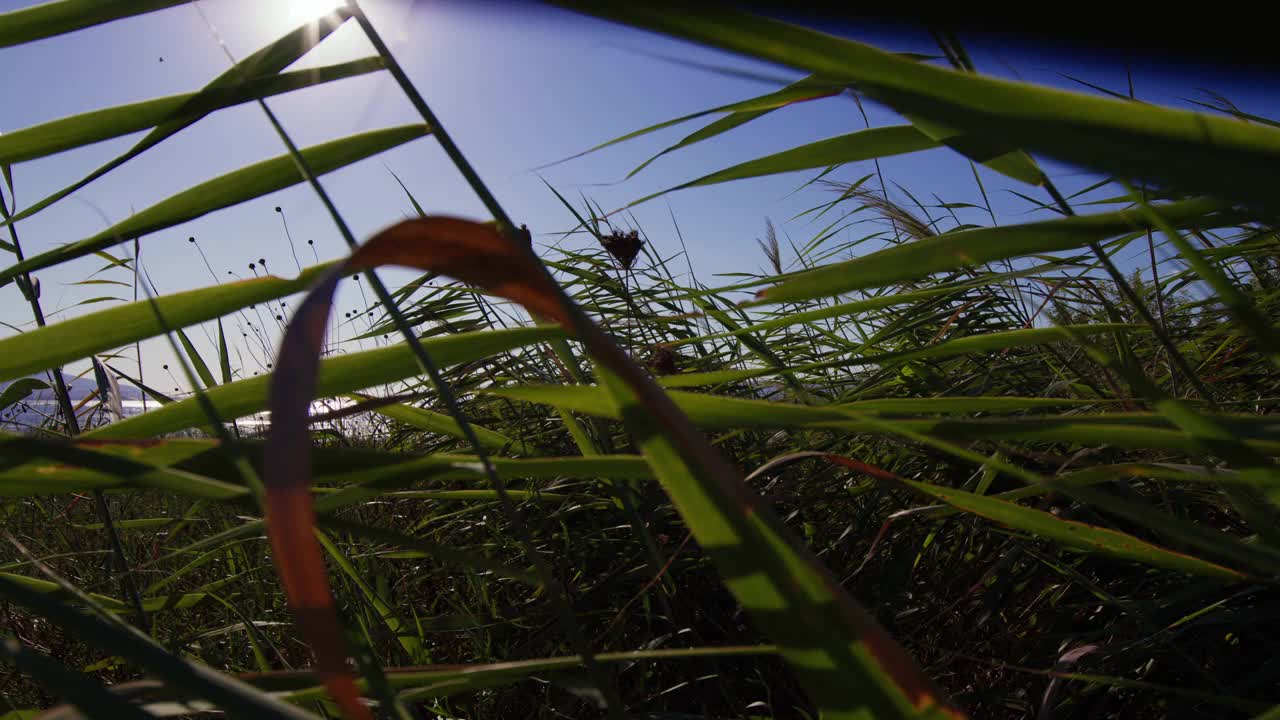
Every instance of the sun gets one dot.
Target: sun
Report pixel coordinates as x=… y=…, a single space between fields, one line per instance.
x=303 y=10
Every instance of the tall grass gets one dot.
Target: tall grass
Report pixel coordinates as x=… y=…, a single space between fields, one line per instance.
x=941 y=469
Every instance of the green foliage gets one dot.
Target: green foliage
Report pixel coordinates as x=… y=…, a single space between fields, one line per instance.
x=1072 y=470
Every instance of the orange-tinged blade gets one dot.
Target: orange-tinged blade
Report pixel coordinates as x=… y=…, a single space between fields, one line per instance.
x=290 y=515
x=469 y=251
x=478 y=254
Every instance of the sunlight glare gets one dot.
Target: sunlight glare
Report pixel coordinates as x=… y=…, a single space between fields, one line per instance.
x=303 y=10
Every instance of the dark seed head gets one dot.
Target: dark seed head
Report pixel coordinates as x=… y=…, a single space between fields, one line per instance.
x=663 y=361
x=278 y=208
x=624 y=247
x=191 y=239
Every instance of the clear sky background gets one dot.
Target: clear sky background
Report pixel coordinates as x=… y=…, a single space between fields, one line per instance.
x=518 y=85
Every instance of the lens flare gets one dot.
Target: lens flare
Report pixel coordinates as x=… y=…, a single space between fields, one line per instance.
x=302 y=10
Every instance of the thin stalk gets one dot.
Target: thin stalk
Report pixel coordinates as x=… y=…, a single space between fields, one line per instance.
x=560 y=601
x=1174 y=355
x=688 y=442
x=1155 y=268
x=238 y=458
x=137 y=346
x=425 y=361
x=127 y=584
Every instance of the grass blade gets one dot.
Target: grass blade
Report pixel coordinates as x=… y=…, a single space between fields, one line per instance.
x=94 y=333
x=224 y=358
x=18 y=390
x=224 y=191
x=233 y=86
x=64 y=16
x=196 y=361
x=967 y=248
x=810 y=88
x=67 y=133
x=338 y=375
x=435 y=422
x=200 y=681
x=861 y=145
x=1090 y=538
x=848 y=665
x=72 y=686
x=1197 y=152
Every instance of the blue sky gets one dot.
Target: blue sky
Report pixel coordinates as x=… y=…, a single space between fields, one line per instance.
x=518 y=85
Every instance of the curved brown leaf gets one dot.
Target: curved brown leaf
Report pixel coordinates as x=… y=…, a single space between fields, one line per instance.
x=290 y=514
x=764 y=567
x=469 y=251
x=472 y=252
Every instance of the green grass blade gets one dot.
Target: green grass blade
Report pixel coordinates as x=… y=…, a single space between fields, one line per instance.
x=72 y=686
x=224 y=191
x=1197 y=152
x=1230 y=548
x=231 y=87
x=398 y=628
x=967 y=248
x=809 y=88
x=338 y=375
x=46 y=477
x=1090 y=538
x=302 y=684
x=847 y=665
x=985 y=342
x=75 y=131
x=233 y=695
x=861 y=145
x=714 y=412
x=197 y=362
x=150 y=391
x=1272 y=714
x=19 y=389
x=470 y=560
x=224 y=358
x=434 y=422
x=64 y=16
x=996 y=155
x=79 y=337
x=197 y=468
x=383 y=469
x=831 y=311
